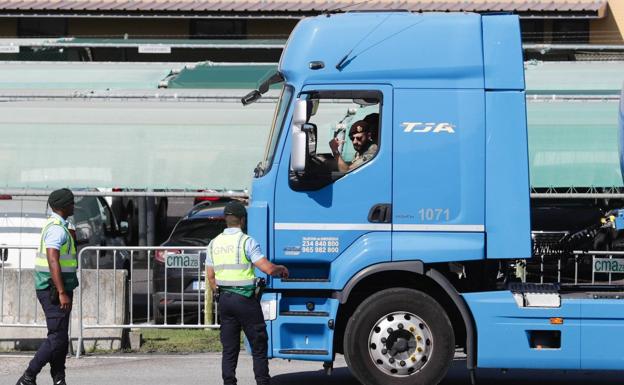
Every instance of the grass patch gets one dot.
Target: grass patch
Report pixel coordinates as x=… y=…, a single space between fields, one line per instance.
x=180 y=341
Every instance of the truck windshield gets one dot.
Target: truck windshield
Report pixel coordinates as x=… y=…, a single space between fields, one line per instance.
x=276 y=129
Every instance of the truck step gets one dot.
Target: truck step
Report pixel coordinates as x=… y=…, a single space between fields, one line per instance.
x=536 y=295
x=305 y=313
x=310 y=352
x=305 y=280
x=535 y=288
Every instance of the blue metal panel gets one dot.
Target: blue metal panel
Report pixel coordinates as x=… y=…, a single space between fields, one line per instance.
x=507 y=217
x=438 y=169
x=619 y=219
x=370 y=249
x=263 y=190
x=621 y=132
x=432 y=247
x=304 y=333
x=602 y=334
x=503 y=330
x=258 y=223
x=337 y=213
x=425 y=50
x=323 y=246
x=503 y=66
x=257 y=212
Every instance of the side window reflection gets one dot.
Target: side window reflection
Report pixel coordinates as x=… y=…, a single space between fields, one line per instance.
x=342 y=132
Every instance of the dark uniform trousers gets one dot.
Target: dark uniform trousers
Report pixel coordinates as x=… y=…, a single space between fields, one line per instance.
x=236 y=312
x=54 y=348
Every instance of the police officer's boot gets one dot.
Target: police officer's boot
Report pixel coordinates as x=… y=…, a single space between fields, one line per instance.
x=59 y=379
x=26 y=379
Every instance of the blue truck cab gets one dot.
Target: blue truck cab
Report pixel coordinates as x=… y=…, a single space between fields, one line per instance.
x=404 y=257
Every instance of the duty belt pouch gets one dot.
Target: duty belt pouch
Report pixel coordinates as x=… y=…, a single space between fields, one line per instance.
x=260 y=284
x=54 y=295
x=216 y=294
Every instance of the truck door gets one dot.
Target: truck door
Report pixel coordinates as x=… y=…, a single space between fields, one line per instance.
x=329 y=224
x=438 y=175
x=323 y=212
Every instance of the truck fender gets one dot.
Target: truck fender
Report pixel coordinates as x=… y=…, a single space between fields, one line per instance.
x=412 y=266
x=471 y=335
x=418 y=267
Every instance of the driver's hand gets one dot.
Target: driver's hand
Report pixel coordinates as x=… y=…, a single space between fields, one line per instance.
x=334 y=144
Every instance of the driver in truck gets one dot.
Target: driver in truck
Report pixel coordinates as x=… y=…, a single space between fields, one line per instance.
x=361 y=135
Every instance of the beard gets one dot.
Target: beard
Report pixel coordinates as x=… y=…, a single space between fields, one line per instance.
x=361 y=147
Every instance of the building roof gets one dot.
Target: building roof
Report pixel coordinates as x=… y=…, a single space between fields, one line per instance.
x=306 y=6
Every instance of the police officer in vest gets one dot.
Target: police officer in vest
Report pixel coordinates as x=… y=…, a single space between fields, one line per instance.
x=230 y=263
x=55 y=280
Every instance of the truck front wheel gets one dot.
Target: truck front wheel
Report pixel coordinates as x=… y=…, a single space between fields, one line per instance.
x=399 y=336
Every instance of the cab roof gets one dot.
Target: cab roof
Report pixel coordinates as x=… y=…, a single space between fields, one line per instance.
x=417 y=50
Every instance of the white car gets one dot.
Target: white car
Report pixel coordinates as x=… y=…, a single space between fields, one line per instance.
x=23 y=217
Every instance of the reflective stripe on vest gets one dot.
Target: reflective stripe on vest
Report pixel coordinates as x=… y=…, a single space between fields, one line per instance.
x=67 y=259
x=233 y=266
x=230 y=262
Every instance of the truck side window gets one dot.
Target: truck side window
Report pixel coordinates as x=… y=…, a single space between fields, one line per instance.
x=342 y=133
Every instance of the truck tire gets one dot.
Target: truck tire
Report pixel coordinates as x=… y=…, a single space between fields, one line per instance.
x=399 y=336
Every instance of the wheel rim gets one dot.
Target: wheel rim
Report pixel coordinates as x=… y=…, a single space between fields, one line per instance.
x=400 y=344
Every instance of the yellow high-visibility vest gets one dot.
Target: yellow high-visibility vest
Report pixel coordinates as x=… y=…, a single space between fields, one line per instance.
x=230 y=262
x=67 y=260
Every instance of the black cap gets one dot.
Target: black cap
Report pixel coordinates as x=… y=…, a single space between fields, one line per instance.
x=358 y=127
x=235 y=208
x=59 y=199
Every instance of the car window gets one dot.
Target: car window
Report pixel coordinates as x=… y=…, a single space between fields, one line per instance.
x=86 y=209
x=106 y=214
x=198 y=231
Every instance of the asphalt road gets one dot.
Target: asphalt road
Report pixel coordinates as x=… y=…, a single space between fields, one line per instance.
x=204 y=369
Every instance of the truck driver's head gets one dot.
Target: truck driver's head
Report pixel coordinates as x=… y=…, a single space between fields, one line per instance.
x=360 y=135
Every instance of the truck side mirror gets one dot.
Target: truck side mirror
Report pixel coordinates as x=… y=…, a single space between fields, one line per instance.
x=298 y=150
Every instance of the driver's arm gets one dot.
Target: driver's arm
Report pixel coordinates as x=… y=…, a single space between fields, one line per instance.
x=333 y=145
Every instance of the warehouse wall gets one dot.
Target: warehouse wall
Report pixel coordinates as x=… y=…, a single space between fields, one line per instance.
x=610 y=29
x=270 y=28
x=8 y=27
x=176 y=28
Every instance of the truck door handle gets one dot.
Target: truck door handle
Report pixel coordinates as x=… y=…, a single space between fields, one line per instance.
x=380 y=213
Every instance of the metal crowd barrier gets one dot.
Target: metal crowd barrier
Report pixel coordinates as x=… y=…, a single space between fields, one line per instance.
x=138 y=255
x=566 y=268
x=18 y=320
x=4 y=254
x=598 y=262
x=578 y=267
x=112 y=286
